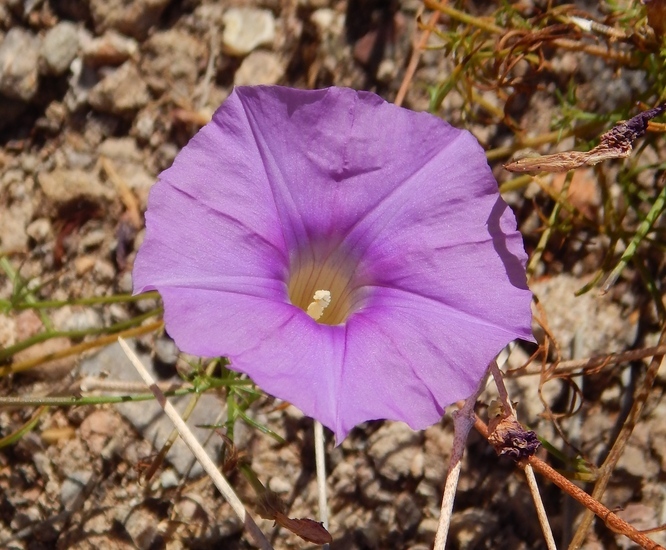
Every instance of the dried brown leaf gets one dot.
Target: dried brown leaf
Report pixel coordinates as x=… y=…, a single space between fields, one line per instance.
x=616 y=143
x=307 y=529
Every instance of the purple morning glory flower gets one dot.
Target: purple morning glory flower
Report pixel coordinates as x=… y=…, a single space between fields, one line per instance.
x=352 y=257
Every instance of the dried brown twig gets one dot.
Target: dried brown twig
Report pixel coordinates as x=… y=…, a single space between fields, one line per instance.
x=614 y=522
x=614 y=144
x=414 y=59
x=606 y=469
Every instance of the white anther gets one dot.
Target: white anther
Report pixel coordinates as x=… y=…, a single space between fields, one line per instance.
x=322 y=299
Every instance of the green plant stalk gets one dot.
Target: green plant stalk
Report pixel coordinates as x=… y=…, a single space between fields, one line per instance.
x=27 y=427
x=194 y=399
x=464 y=17
x=95 y=300
x=545 y=236
x=47 y=335
x=536 y=141
x=516 y=183
x=14 y=278
x=643 y=230
x=75 y=401
x=80 y=348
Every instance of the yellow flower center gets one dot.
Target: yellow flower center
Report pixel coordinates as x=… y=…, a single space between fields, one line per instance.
x=323 y=289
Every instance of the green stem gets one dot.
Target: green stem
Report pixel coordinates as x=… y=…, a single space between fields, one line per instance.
x=95 y=300
x=29 y=297
x=74 y=401
x=643 y=230
x=545 y=236
x=47 y=335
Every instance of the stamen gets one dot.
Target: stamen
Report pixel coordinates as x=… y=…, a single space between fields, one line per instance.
x=322 y=299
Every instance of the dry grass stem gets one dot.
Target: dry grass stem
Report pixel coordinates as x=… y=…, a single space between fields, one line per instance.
x=320 y=462
x=199 y=452
x=463 y=420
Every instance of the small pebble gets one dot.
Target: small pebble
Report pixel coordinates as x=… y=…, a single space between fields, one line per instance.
x=93 y=239
x=83 y=264
x=259 y=68
x=19 y=55
x=73 y=486
x=104 y=271
x=40 y=230
x=59 y=48
x=169 y=478
x=121 y=92
x=166 y=351
x=112 y=48
x=125 y=283
x=246 y=29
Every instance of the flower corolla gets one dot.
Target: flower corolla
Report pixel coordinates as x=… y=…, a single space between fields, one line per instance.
x=352 y=257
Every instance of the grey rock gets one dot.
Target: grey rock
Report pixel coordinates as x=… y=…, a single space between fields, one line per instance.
x=437 y=449
x=166 y=351
x=407 y=513
x=246 y=29
x=112 y=48
x=470 y=527
x=76 y=318
x=125 y=283
x=59 y=48
x=599 y=324
x=120 y=92
x=148 y=418
x=173 y=58
x=19 y=55
x=64 y=185
x=394 y=449
x=142 y=527
x=132 y=18
x=104 y=271
x=73 y=486
x=169 y=478
x=259 y=68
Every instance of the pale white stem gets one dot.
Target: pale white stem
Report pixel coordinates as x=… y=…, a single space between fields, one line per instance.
x=463 y=420
x=501 y=388
x=540 y=510
x=320 y=462
x=529 y=473
x=199 y=452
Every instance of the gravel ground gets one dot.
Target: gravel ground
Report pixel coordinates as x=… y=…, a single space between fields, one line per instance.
x=96 y=98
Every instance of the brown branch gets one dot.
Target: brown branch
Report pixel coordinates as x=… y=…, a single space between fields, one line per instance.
x=614 y=522
x=593 y=364
x=606 y=469
x=414 y=59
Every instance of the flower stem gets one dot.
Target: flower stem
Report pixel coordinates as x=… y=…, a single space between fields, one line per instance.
x=321 y=473
x=463 y=420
